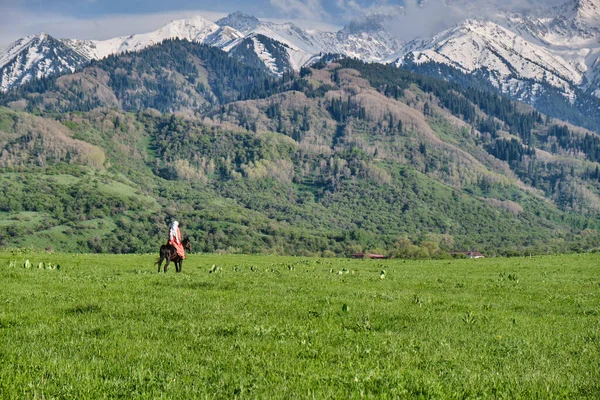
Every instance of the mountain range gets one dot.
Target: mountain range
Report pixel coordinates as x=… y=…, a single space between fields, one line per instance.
x=560 y=47
x=519 y=53
x=261 y=139
x=41 y=55
x=343 y=156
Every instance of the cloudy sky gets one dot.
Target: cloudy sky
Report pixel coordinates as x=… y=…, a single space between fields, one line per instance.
x=102 y=19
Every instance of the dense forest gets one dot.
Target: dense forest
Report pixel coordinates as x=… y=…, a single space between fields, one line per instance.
x=172 y=76
x=341 y=158
x=580 y=110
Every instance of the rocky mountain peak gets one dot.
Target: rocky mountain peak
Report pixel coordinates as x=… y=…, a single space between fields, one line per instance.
x=188 y=26
x=587 y=10
x=240 y=21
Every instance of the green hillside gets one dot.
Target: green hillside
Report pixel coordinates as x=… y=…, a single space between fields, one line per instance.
x=343 y=157
x=174 y=75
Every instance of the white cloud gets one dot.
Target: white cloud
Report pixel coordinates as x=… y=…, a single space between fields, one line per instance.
x=425 y=21
x=350 y=9
x=348 y=5
x=15 y=24
x=301 y=9
x=435 y=16
x=306 y=23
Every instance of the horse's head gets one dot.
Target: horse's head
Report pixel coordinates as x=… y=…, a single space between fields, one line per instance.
x=187 y=244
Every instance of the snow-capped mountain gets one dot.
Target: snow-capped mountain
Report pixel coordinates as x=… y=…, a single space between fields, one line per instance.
x=561 y=48
x=35 y=57
x=42 y=55
x=279 y=46
x=368 y=40
x=509 y=57
x=195 y=29
x=298 y=43
x=558 y=46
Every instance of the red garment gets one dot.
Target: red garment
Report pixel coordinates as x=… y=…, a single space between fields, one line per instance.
x=175 y=241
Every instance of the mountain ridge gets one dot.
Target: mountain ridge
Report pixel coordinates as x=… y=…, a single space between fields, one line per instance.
x=346 y=156
x=304 y=45
x=530 y=57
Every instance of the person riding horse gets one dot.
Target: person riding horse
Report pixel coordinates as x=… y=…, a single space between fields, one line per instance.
x=175 y=239
x=174 y=249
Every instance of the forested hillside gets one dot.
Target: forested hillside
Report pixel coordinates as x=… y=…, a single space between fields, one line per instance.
x=580 y=109
x=344 y=157
x=175 y=75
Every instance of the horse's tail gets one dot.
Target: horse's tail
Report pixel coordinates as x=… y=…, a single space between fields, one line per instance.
x=162 y=254
x=166 y=253
x=161 y=257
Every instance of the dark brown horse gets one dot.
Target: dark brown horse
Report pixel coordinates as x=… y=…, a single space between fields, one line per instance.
x=169 y=253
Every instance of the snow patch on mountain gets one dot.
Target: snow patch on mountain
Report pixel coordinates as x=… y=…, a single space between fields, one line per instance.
x=223 y=37
x=266 y=57
x=9 y=52
x=587 y=11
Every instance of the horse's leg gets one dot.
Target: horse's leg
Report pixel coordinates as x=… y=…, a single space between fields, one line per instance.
x=167 y=263
x=159 y=262
x=179 y=265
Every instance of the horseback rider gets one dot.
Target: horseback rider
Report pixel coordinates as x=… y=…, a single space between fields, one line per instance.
x=175 y=239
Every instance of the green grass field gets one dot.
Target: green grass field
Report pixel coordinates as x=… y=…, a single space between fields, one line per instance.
x=106 y=326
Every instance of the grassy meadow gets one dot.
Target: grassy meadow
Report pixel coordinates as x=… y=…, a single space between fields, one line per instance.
x=104 y=326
